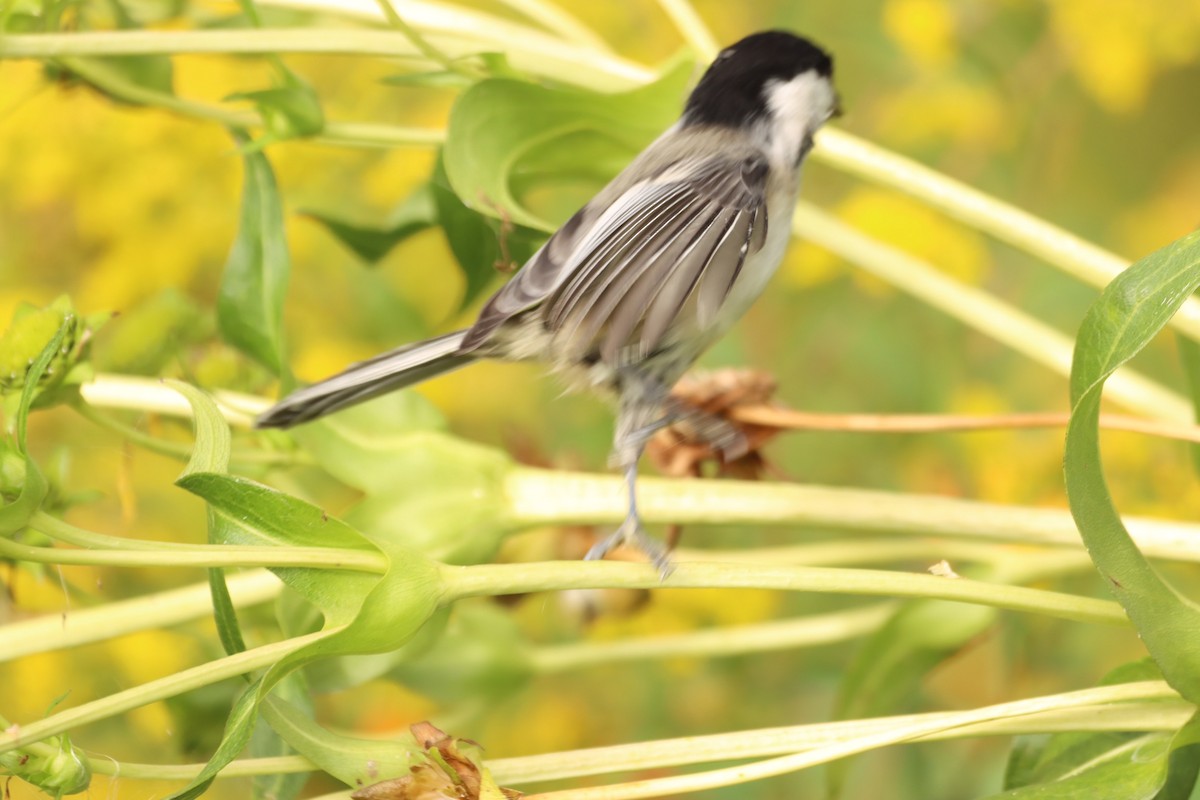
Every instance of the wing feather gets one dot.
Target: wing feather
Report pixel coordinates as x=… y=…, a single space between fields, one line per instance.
x=623 y=272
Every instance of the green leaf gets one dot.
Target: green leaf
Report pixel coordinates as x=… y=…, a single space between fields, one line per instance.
x=355 y=762
x=148 y=337
x=250 y=303
x=1106 y=765
x=363 y=445
x=213 y=440
x=34 y=486
x=482 y=247
x=210 y=453
x=238 y=730
x=499 y=128
x=1130 y=311
x=1189 y=354
x=894 y=660
x=345 y=672
x=266 y=742
x=250 y=513
x=444 y=497
x=397 y=607
x=371 y=244
x=291 y=110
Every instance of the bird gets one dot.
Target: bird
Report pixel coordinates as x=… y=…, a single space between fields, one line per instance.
x=636 y=285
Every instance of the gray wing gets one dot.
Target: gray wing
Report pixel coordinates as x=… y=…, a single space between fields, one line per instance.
x=666 y=246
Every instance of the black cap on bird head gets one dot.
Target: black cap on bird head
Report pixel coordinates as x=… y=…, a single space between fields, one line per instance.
x=731 y=91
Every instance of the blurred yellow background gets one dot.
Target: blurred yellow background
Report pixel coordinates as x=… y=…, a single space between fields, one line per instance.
x=1085 y=112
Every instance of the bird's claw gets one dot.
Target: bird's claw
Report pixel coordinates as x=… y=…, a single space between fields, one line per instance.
x=632 y=534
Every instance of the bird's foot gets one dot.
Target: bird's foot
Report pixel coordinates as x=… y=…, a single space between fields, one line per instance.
x=632 y=534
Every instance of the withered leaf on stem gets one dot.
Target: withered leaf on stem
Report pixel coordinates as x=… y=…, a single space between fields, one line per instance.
x=448 y=774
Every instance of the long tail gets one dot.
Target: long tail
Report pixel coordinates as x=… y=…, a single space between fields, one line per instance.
x=393 y=370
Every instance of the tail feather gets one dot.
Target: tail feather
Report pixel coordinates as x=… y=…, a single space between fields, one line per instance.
x=394 y=370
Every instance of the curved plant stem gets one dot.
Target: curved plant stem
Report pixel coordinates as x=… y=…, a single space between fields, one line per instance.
x=726 y=641
x=693 y=30
x=418 y=41
x=979 y=310
x=896 y=730
x=555 y=19
x=17 y=736
x=547 y=497
x=158 y=610
x=1073 y=255
x=1148 y=715
x=493 y=579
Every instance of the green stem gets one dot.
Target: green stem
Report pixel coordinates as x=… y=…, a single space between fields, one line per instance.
x=852 y=552
x=545 y=497
x=1108 y=708
x=16 y=737
x=1073 y=255
x=275 y=765
x=495 y=579
x=528 y=50
x=979 y=310
x=421 y=44
x=158 y=610
x=560 y=22
x=183 y=451
x=203 y=556
x=120 y=551
x=728 y=641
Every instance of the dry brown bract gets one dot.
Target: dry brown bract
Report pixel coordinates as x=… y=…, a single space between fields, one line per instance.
x=448 y=773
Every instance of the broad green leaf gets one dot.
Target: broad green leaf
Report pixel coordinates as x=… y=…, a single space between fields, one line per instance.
x=1107 y=764
x=1189 y=355
x=211 y=449
x=266 y=742
x=210 y=453
x=499 y=128
x=355 y=762
x=15 y=514
x=146 y=338
x=345 y=672
x=238 y=730
x=1130 y=311
x=250 y=303
x=253 y=514
x=393 y=612
x=415 y=214
x=895 y=659
x=482 y=247
x=437 y=494
x=291 y=110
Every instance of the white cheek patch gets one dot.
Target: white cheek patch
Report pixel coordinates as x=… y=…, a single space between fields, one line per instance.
x=797 y=108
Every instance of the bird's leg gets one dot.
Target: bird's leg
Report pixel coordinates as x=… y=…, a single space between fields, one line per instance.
x=639 y=417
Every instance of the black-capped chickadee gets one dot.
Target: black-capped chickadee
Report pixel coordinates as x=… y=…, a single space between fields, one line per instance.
x=639 y=282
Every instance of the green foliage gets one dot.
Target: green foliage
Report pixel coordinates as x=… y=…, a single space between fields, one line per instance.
x=561 y=132
x=1107 y=765
x=250 y=305
x=1130 y=312
x=370 y=594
